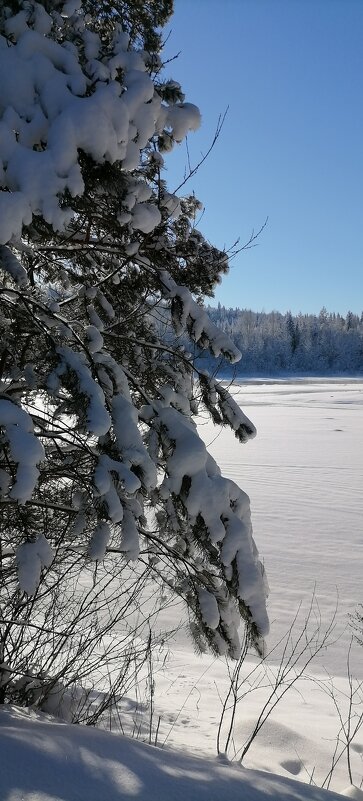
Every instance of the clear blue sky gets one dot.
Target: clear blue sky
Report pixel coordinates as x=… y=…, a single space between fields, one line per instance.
x=291 y=149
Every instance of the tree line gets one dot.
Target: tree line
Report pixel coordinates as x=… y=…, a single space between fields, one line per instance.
x=273 y=342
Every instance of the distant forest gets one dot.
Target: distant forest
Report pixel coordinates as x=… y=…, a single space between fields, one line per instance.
x=273 y=343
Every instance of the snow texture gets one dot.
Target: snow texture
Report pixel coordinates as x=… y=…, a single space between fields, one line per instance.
x=304 y=479
x=129 y=440
x=99 y=541
x=300 y=455
x=88 y=763
x=31 y=557
x=106 y=488
x=130 y=543
x=47 y=116
x=25 y=449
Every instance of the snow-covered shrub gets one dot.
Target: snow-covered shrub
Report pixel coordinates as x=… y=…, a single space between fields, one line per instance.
x=100 y=450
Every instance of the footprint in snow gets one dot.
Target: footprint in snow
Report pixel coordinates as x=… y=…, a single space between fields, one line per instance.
x=292 y=766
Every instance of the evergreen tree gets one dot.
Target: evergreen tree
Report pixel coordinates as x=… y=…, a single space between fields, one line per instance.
x=293 y=331
x=103 y=275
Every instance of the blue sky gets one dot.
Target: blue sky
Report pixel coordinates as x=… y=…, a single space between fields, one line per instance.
x=291 y=72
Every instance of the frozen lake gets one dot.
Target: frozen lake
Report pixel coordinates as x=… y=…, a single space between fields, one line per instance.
x=304 y=476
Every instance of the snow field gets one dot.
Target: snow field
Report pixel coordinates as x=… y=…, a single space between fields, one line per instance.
x=58 y=762
x=304 y=478
x=303 y=473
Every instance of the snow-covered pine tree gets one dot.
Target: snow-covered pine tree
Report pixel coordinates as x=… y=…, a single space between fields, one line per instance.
x=99 y=264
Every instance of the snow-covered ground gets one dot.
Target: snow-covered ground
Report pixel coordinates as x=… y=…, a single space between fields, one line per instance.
x=47 y=761
x=304 y=476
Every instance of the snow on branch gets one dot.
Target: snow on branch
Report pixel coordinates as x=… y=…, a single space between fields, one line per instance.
x=31 y=558
x=191 y=472
x=25 y=449
x=187 y=315
x=98 y=418
x=224 y=409
x=53 y=106
x=99 y=541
